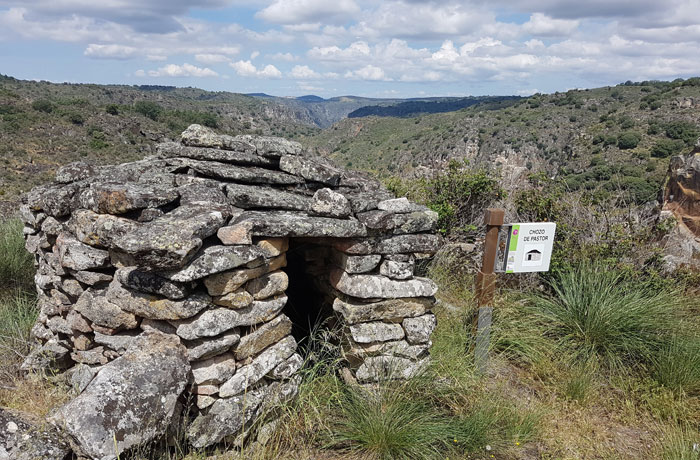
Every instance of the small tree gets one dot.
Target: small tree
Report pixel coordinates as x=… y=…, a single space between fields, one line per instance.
x=628 y=140
x=148 y=109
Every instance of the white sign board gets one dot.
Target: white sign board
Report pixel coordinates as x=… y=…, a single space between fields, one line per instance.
x=529 y=247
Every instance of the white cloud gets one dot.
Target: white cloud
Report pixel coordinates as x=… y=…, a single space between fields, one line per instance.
x=110 y=51
x=544 y=26
x=308 y=11
x=289 y=57
x=174 y=70
x=254 y=54
x=303 y=72
x=368 y=72
x=248 y=69
x=211 y=58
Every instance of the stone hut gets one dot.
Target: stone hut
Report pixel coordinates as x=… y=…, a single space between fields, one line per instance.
x=199 y=270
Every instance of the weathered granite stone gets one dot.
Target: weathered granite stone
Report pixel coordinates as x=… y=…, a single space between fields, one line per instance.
x=355 y=264
x=59 y=325
x=149 y=214
x=130 y=401
x=249 y=375
x=98 y=229
x=400 y=205
x=41 y=332
x=81 y=375
x=271 y=146
x=328 y=203
x=364 y=201
x=91 y=356
x=21 y=438
x=398 y=269
x=380 y=287
x=60 y=298
x=154 y=307
x=202 y=349
x=268 y=285
x=118 y=342
x=241 y=174
x=51 y=226
x=90 y=278
x=287 y=368
x=229 y=281
x=200 y=136
x=46 y=281
x=52 y=355
x=273 y=247
x=236 y=234
x=215 y=259
x=225 y=418
x=204 y=401
x=202 y=191
x=152 y=325
x=79 y=256
x=77 y=322
x=380 y=368
x=27 y=230
x=354 y=312
x=388 y=222
x=213 y=322
x=170 y=241
x=31 y=218
x=376 y=332
x=401 y=348
x=72 y=288
x=75 y=171
x=55 y=200
x=139 y=280
x=263 y=336
x=244 y=153
x=285 y=223
x=207 y=390
x=239 y=298
x=114 y=198
x=250 y=196
x=399 y=244
x=94 y=306
x=214 y=370
x=81 y=342
x=418 y=329
x=313 y=170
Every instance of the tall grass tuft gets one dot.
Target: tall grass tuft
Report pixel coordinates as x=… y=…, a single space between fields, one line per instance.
x=595 y=313
x=677 y=364
x=680 y=443
x=17 y=315
x=16 y=265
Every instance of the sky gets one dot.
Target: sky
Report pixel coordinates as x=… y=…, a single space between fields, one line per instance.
x=393 y=48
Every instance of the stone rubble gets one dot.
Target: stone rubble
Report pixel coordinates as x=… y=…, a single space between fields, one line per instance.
x=168 y=277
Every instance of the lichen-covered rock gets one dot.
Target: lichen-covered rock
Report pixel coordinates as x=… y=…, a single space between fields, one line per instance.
x=376 y=332
x=118 y=342
x=170 y=241
x=273 y=247
x=154 y=307
x=381 y=287
x=244 y=153
x=99 y=229
x=75 y=171
x=355 y=264
x=215 y=259
x=239 y=298
x=268 y=285
x=388 y=222
x=399 y=244
x=263 y=336
x=130 y=401
x=79 y=256
x=398 y=267
x=418 y=329
x=93 y=305
x=229 y=281
x=287 y=368
x=284 y=223
x=245 y=175
x=249 y=375
x=400 y=205
x=328 y=203
x=381 y=368
x=149 y=282
x=214 y=321
x=213 y=371
x=114 y=198
x=202 y=349
x=22 y=438
x=315 y=170
x=248 y=196
x=53 y=355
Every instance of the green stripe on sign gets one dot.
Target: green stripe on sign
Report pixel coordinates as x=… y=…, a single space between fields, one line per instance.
x=514 y=235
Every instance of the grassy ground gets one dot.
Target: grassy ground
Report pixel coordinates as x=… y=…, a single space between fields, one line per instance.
x=595 y=365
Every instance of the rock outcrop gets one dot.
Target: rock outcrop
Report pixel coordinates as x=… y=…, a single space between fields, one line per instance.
x=167 y=276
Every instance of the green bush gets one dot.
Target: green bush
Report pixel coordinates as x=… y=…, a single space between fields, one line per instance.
x=683 y=130
x=43 y=105
x=593 y=312
x=148 y=109
x=112 y=109
x=677 y=364
x=628 y=140
x=75 y=118
x=664 y=148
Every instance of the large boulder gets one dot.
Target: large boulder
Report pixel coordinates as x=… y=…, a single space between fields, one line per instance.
x=21 y=438
x=131 y=401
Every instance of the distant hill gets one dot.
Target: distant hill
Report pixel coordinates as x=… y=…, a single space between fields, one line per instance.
x=310 y=98
x=417 y=107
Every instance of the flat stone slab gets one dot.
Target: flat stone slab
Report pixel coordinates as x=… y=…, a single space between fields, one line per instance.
x=200 y=136
x=244 y=154
x=229 y=281
x=202 y=349
x=94 y=306
x=400 y=205
x=283 y=223
x=263 y=336
x=171 y=240
x=376 y=332
x=131 y=401
x=215 y=321
x=79 y=256
x=244 y=174
x=313 y=170
x=386 y=310
x=329 y=203
x=381 y=368
x=380 y=287
x=257 y=197
x=215 y=370
x=418 y=329
x=215 y=259
x=151 y=283
x=389 y=222
x=113 y=198
x=355 y=264
x=399 y=244
x=155 y=307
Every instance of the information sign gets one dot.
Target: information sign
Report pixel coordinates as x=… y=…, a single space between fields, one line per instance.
x=528 y=247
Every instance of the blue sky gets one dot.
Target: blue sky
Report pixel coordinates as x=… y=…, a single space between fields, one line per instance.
x=395 y=48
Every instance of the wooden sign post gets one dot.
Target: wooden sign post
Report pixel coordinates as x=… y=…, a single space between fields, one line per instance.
x=485 y=287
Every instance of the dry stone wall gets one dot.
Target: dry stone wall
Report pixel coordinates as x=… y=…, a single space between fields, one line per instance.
x=185 y=252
